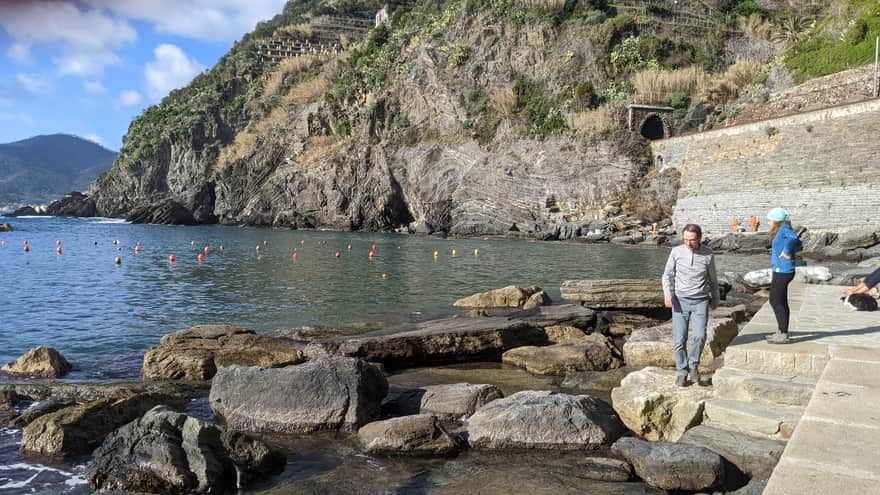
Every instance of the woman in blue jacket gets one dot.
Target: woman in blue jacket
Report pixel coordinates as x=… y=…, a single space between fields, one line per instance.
x=785 y=244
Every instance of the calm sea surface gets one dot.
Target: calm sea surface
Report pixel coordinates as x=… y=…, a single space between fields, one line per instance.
x=103 y=317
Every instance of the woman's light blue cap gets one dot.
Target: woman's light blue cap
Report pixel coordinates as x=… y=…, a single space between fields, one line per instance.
x=778 y=215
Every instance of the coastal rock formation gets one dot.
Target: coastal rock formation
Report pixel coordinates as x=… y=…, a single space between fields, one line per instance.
x=41 y=362
x=421 y=434
x=654 y=408
x=8 y=400
x=563 y=334
x=168 y=452
x=76 y=204
x=544 y=420
x=615 y=293
x=590 y=353
x=5 y=227
x=756 y=457
x=653 y=346
x=672 y=466
x=90 y=391
x=328 y=393
x=444 y=340
x=447 y=401
x=165 y=212
x=36 y=410
x=573 y=315
x=196 y=353
x=505 y=297
x=79 y=429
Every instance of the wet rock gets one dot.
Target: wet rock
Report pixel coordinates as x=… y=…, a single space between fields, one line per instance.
x=5 y=227
x=41 y=362
x=421 y=434
x=76 y=204
x=615 y=293
x=654 y=408
x=544 y=420
x=166 y=212
x=672 y=466
x=653 y=346
x=754 y=456
x=328 y=393
x=444 y=340
x=448 y=401
x=26 y=211
x=196 y=353
x=506 y=297
x=168 y=452
x=563 y=334
x=591 y=353
x=38 y=409
x=80 y=429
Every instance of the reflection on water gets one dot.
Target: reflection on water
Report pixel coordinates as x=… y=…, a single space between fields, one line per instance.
x=103 y=317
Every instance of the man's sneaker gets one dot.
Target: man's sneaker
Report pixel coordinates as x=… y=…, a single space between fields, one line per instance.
x=778 y=338
x=694 y=376
x=681 y=380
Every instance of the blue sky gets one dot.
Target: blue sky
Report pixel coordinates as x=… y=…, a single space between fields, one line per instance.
x=88 y=67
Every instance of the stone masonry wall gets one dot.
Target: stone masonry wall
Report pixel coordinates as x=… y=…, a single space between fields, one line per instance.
x=823 y=166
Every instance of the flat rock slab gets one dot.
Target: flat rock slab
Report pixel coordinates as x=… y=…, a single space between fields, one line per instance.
x=444 y=340
x=81 y=428
x=753 y=456
x=653 y=346
x=672 y=466
x=615 y=293
x=544 y=420
x=90 y=391
x=654 y=408
x=197 y=353
x=448 y=401
x=420 y=434
x=573 y=315
x=328 y=393
x=590 y=353
x=41 y=362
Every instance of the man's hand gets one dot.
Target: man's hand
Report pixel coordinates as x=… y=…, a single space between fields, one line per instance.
x=713 y=307
x=668 y=302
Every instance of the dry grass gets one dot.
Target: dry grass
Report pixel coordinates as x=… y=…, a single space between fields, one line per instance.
x=654 y=86
x=302 y=30
x=316 y=148
x=594 y=121
x=756 y=27
x=544 y=5
x=289 y=69
x=727 y=86
x=307 y=91
x=503 y=101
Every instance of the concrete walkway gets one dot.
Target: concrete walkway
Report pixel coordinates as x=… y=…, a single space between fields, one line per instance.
x=835 y=448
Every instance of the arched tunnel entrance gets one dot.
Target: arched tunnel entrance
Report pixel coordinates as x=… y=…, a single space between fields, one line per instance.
x=652 y=127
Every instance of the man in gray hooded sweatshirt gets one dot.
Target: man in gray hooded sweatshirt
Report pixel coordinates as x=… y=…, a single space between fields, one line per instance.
x=690 y=288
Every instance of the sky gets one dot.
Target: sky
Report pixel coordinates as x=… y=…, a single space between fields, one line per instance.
x=88 y=67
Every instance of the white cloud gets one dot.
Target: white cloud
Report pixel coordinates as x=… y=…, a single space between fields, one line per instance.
x=88 y=37
x=31 y=85
x=94 y=87
x=127 y=98
x=207 y=20
x=170 y=69
x=20 y=52
x=17 y=118
x=95 y=139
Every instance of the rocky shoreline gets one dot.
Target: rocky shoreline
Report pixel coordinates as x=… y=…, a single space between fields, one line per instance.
x=262 y=388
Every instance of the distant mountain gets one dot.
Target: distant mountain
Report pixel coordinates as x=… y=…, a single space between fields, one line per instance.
x=43 y=168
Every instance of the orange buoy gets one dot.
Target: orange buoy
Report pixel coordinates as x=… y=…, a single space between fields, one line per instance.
x=58 y=250
x=137 y=248
x=372 y=255
x=258 y=248
x=26 y=247
x=295 y=256
x=337 y=254
x=201 y=257
x=117 y=260
x=207 y=249
x=171 y=258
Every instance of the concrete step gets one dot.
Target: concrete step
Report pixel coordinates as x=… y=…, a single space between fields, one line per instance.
x=733 y=384
x=752 y=418
x=750 y=353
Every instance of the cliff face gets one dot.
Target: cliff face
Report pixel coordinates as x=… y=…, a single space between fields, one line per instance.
x=409 y=128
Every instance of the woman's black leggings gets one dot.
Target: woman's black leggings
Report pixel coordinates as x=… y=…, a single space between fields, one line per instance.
x=779 y=298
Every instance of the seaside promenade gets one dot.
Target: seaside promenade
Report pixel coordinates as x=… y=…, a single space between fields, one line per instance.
x=834 y=447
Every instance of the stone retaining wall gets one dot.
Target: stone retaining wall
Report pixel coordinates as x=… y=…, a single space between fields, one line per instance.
x=823 y=166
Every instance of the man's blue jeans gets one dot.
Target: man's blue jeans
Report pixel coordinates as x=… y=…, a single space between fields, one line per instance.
x=696 y=312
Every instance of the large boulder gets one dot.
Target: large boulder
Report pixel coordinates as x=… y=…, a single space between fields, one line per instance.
x=5 y=227
x=857 y=238
x=167 y=212
x=81 y=428
x=591 y=353
x=41 y=362
x=505 y=297
x=672 y=466
x=654 y=408
x=168 y=452
x=421 y=434
x=615 y=293
x=328 y=393
x=806 y=274
x=544 y=420
x=196 y=353
x=75 y=204
x=653 y=346
x=756 y=457
x=447 y=401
